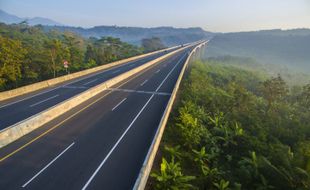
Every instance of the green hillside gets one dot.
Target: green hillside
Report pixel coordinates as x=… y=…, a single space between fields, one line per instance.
x=235 y=128
x=288 y=48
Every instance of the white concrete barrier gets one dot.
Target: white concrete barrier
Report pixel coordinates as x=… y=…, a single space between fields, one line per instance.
x=47 y=83
x=148 y=162
x=22 y=128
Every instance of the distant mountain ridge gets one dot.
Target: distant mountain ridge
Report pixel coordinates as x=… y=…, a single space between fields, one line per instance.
x=12 y=19
x=284 y=47
x=169 y=35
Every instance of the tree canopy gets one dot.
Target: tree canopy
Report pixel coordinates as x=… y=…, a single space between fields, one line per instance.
x=152 y=44
x=233 y=128
x=30 y=54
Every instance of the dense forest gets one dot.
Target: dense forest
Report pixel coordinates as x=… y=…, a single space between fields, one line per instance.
x=235 y=128
x=29 y=54
x=288 y=48
x=291 y=76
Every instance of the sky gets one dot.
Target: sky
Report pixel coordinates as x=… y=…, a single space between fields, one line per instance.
x=211 y=15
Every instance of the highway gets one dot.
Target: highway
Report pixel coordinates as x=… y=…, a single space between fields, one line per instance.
x=20 y=108
x=100 y=144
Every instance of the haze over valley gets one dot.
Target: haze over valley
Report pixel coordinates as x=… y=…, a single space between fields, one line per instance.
x=155 y=95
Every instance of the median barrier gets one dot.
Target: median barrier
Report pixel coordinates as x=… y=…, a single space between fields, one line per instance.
x=22 y=128
x=51 y=82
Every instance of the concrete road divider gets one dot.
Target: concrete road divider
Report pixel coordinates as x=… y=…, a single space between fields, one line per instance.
x=47 y=83
x=22 y=128
x=148 y=162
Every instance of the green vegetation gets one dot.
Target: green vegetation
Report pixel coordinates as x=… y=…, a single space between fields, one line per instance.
x=30 y=54
x=152 y=44
x=287 y=48
x=234 y=128
x=170 y=36
x=291 y=76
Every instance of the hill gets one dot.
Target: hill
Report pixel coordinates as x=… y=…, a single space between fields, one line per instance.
x=169 y=35
x=133 y=35
x=12 y=19
x=232 y=129
x=283 y=47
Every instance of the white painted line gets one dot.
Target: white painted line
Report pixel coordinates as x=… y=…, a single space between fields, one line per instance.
x=47 y=165
x=115 y=71
x=139 y=91
x=118 y=104
x=75 y=87
x=157 y=71
x=155 y=93
x=143 y=83
x=118 y=141
x=90 y=82
x=28 y=98
x=74 y=81
x=170 y=72
x=44 y=100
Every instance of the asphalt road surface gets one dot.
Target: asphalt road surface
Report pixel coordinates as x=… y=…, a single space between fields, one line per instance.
x=100 y=144
x=20 y=108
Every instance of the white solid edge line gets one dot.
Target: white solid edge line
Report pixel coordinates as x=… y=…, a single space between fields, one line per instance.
x=119 y=140
x=77 y=80
x=90 y=82
x=44 y=100
x=118 y=104
x=139 y=91
x=11 y=103
x=145 y=160
x=48 y=165
x=115 y=145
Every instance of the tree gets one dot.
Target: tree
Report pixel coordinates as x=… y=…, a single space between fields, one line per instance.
x=305 y=96
x=47 y=49
x=75 y=53
x=222 y=117
x=12 y=55
x=89 y=54
x=57 y=54
x=152 y=44
x=274 y=90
